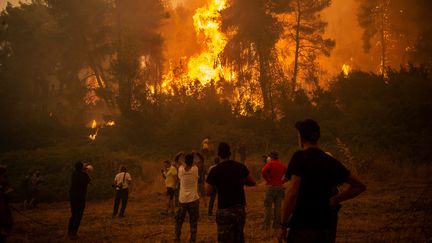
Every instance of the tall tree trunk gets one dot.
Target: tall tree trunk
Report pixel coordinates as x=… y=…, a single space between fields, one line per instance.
x=263 y=84
x=297 y=48
x=100 y=81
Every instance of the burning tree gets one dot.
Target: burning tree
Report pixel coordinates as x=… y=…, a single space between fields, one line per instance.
x=304 y=29
x=137 y=62
x=253 y=31
x=374 y=17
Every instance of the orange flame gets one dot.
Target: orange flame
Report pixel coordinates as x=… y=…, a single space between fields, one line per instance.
x=346 y=69
x=206 y=66
x=93 y=124
x=110 y=123
x=93 y=136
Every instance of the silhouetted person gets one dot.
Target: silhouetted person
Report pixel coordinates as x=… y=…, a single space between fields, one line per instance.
x=6 y=220
x=274 y=174
x=188 y=198
x=77 y=196
x=207 y=147
x=202 y=173
x=228 y=178
x=32 y=189
x=122 y=182
x=310 y=206
x=213 y=196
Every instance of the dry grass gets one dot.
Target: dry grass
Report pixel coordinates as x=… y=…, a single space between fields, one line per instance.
x=396 y=209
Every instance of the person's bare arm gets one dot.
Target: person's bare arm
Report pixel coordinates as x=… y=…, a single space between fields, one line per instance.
x=200 y=156
x=356 y=187
x=265 y=172
x=250 y=181
x=289 y=203
x=209 y=189
x=177 y=157
x=290 y=198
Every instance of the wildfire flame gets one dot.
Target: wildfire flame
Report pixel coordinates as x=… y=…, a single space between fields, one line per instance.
x=93 y=124
x=110 y=123
x=206 y=66
x=346 y=69
x=93 y=136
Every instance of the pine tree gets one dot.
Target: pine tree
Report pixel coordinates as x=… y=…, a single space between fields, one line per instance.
x=306 y=32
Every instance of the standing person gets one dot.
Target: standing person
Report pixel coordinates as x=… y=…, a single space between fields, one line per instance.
x=176 y=165
x=213 y=196
x=122 y=182
x=202 y=173
x=35 y=182
x=169 y=173
x=6 y=220
x=77 y=196
x=274 y=175
x=228 y=178
x=188 y=198
x=207 y=148
x=310 y=206
x=26 y=184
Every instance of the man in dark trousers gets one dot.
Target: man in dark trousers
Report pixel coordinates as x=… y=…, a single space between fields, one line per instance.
x=77 y=196
x=311 y=202
x=122 y=183
x=228 y=178
x=6 y=220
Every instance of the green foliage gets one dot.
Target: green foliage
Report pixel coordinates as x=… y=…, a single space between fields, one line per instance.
x=56 y=165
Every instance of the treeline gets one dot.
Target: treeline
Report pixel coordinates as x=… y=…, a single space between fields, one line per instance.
x=62 y=62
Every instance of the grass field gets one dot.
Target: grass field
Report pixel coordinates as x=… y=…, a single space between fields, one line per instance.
x=391 y=210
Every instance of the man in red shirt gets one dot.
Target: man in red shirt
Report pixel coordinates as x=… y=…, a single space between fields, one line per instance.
x=274 y=174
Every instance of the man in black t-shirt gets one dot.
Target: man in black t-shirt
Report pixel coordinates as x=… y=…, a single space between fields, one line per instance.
x=228 y=178
x=77 y=196
x=312 y=202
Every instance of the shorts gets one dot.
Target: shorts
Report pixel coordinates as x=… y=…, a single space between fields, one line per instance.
x=170 y=192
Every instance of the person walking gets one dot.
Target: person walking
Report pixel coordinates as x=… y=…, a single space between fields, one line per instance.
x=169 y=173
x=228 y=178
x=122 y=183
x=274 y=174
x=188 y=196
x=77 y=197
x=311 y=202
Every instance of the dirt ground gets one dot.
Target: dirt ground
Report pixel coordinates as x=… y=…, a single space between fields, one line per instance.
x=389 y=211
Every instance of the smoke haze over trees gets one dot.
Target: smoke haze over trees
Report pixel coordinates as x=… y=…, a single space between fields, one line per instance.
x=269 y=63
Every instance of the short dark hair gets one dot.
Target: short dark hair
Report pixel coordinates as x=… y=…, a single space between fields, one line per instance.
x=167 y=162
x=309 y=130
x=189 y=159
x=274 y=155
x=79 y=165
x=224 y=150
x=123 y=169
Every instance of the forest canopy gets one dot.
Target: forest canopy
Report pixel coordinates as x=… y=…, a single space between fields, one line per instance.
x=152 y=75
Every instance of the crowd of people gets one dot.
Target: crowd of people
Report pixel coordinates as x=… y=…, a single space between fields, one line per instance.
x=308 y=206
x=302 y=196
